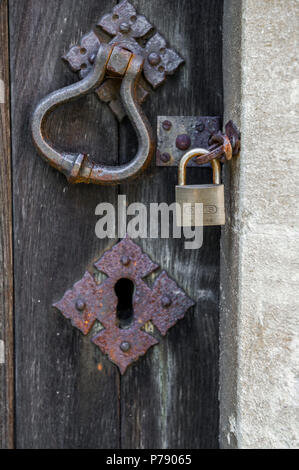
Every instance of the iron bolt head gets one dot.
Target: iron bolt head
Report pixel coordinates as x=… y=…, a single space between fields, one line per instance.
x=167 y=125
x=165 y=157
x=80 y=305
x=154 y=58
x=124 y=27
x=125 y=260
x=125 y=346
x=183 y=142
x=166 y=301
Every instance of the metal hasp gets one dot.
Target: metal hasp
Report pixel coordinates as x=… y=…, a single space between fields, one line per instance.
x=160 y=306
x=178 y=134
x=114 y=72
x=223 y=146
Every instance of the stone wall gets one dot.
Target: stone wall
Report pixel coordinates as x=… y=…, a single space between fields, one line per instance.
x=259 y=262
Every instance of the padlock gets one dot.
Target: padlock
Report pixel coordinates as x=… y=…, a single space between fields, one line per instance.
x=211 y=196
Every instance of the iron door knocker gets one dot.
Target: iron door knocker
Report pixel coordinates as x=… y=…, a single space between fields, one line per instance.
x=80 y=168
x=100 y=67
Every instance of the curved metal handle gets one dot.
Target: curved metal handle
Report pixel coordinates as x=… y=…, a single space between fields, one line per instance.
x=79 y=168
x=195 y=153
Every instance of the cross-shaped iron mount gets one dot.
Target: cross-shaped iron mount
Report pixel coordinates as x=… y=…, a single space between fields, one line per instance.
x=154 y=309
x=131 y=32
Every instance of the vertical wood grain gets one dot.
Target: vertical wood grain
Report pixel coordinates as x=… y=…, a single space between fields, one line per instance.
x=169 y=398
x=66 y=391
x=6 y=273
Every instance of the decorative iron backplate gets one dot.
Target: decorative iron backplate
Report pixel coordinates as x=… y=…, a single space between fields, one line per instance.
x=136 y=34
x=178 y=134
x=88 y=302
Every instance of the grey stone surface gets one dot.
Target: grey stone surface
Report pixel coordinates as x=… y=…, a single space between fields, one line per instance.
x=259 y=260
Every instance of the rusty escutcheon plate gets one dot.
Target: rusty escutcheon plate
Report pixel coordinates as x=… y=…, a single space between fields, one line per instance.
x=178 y=134
x=160 y=306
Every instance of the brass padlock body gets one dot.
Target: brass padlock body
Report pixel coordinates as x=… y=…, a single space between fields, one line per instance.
x=211 y=196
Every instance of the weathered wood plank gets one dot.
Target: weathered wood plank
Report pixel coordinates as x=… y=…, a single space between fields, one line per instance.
x=6 y=272
x=63 y=399
x=169 y=398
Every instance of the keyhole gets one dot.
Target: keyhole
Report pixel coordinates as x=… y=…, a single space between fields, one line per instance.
x=124 y=289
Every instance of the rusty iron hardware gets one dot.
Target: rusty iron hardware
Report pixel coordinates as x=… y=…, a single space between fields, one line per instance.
x=160 y=306
x=136 y=34
x=176 y=134
x=113 y=71
x=222 y=146
x=80 y=168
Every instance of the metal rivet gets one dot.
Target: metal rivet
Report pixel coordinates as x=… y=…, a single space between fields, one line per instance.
x=125 y=346
x=165 y=157
x=166 y=301
x=183 y=142
x=200 y=126
x=80 y=305
x=167 y=125
x=124 y=28
x=154 y=58
x=125 y=260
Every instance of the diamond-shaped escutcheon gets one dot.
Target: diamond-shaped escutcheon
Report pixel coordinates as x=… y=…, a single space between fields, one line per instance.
x=88 y=302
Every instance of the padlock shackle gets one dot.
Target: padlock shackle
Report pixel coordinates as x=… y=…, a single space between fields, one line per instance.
x=196 y=153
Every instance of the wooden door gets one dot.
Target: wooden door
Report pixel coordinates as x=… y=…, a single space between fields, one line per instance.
x=62 y=397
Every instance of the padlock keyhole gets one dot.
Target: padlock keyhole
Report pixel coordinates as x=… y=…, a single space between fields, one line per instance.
x=124 y=289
